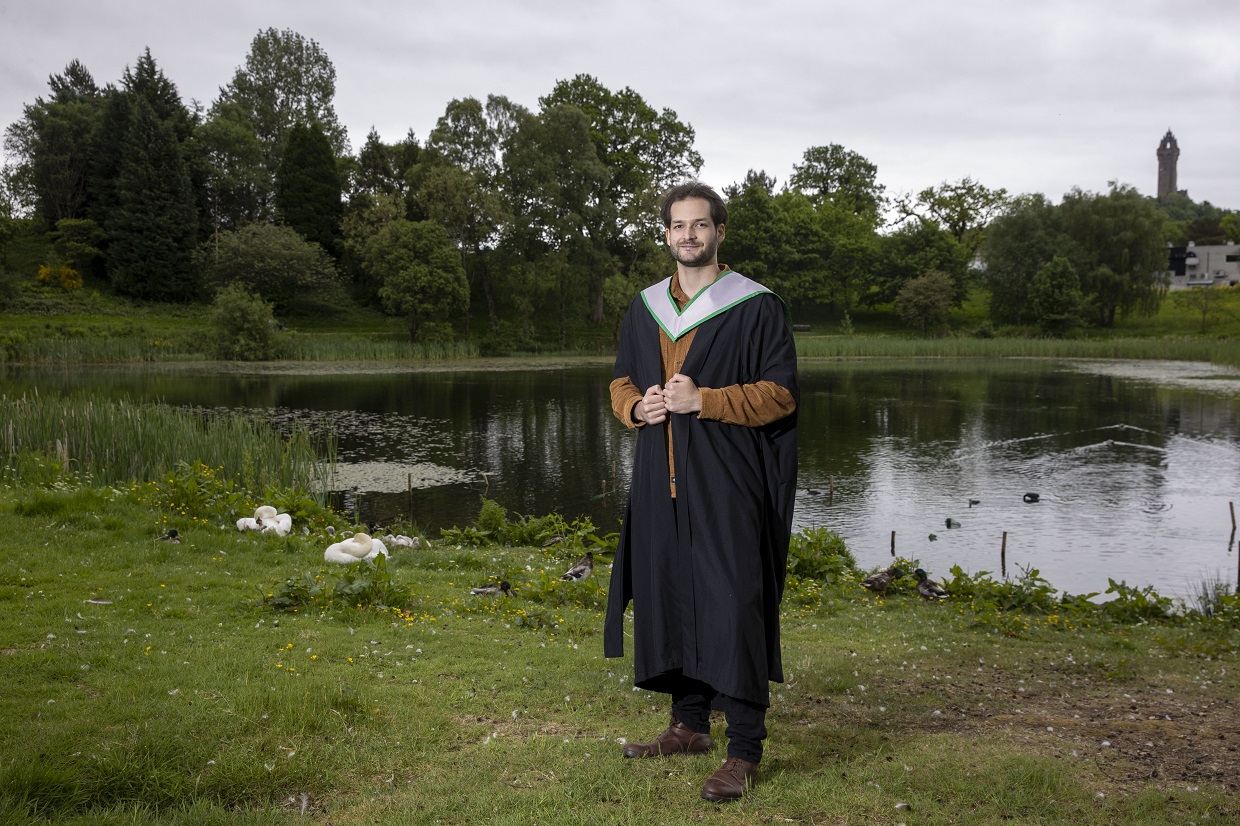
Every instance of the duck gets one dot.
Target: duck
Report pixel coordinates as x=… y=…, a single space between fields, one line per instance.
x=581 y=570
x=492 y=589
x=929 y=590
x=880 y=582
x=1030 y=498
x=357 y=547
x=171 y=536
x=973 y=502
x=269 y=520
x=951 y=523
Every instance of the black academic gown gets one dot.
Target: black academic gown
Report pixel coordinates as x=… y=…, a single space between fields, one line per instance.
x=706 y=591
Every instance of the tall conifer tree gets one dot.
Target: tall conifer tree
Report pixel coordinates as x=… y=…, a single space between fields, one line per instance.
x=153 y=226
x=308 y=187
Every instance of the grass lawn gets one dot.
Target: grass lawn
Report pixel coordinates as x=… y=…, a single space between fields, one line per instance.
x=151 y=682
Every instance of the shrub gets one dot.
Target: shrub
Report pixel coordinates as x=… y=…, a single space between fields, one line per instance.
x=60 y=275
x=820 y=553
x=244 y=326
x=272 y=261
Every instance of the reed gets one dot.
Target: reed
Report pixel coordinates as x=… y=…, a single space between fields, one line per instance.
x=1179 y=349
x=26 y=348
x=114 y=442
x=327 y=347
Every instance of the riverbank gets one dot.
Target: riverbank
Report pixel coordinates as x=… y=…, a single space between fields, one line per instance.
x=236 y=678
x=47 y=327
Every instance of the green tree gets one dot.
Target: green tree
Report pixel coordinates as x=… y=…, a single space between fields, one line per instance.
x=50 y=147
x=308 y=188
x=964 y=208
x=555 y=186
x=926 y=302
x=145 y=81
x=76 y=242
x=1231 y=226
x=457 y=184
x=854 y=249
x=643 y=152
x=8 y=278
x=1018 y=244
x=420 y=270
x=379 y=191
x=243 y=325
x=809 y=255
x=833 y=173
x=1115 y=242
x=912 y=251
x=153 y=226
x=235 y=179
x=754 y=177
x=382 y=169
x=758 y=240
x=1055 y=297
x=286 y=80
x=274 y=262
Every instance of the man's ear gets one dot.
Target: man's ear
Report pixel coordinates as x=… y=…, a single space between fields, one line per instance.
x=720 y=231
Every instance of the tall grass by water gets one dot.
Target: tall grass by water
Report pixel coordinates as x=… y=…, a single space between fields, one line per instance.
x=342 y=348
x=113 y=442
x=1216 y=351
x=19 y=348
x=338 y=348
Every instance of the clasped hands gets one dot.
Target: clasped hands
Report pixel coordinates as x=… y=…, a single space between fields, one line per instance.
x=679 y=395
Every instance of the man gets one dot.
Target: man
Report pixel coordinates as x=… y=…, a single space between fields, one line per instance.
x=706 y=372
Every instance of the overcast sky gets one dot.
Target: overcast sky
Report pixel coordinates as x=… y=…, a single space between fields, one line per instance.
x=1035 y=96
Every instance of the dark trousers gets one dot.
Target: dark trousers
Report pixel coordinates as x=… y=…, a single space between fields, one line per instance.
x=692 y=701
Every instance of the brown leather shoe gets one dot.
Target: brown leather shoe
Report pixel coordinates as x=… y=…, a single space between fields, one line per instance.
x=677 y=738
x=731 y=781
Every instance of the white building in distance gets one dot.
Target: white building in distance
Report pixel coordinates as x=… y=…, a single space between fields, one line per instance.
x=1207 y=265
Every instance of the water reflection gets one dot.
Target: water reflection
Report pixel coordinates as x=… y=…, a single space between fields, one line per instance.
x=1132 y=465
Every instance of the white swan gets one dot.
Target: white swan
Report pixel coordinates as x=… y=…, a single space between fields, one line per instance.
x=248 y=523
x=357 y=547
x=270 y=521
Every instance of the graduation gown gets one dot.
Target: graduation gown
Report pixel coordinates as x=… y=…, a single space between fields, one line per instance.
x=706 y=589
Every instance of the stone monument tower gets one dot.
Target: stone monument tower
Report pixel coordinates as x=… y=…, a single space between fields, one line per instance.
x=1168 y=153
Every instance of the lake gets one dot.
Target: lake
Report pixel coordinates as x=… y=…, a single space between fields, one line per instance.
x=1134 y=464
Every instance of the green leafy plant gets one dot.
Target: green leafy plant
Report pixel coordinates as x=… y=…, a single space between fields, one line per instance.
x=243 y=324
x=361 y=586
x=551 y=531
x=1133 y=605
x=820 y=553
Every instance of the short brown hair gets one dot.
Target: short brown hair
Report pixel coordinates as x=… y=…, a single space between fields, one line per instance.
x=694 y=189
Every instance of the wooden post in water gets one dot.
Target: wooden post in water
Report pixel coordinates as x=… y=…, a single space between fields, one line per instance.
x=893 y=543
x=1232 y=506
x=1003 y=557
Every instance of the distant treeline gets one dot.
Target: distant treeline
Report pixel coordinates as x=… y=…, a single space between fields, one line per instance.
x=520 y=228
